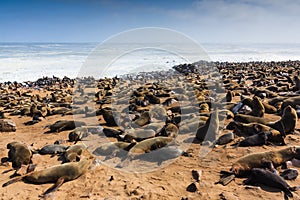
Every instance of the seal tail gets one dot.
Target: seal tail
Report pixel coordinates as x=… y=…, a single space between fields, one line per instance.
x=12 y=181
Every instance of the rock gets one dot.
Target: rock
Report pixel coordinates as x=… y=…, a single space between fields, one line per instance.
x=192 y=188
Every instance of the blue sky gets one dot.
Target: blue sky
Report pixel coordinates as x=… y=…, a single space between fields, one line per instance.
x=255 y=21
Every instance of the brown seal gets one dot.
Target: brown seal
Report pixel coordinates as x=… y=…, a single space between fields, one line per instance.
x=249 y=119
x=57 y=174
x=269 y=159
x=73 y=153
x=143 y=119
x=169 y=130
x=19 y=154
x=151 y=144
x=288 y=121
x=263 y=159
x=63 y=125
x=210 y=130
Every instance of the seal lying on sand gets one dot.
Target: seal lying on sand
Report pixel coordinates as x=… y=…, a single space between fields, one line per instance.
x=57 y=174
x=63 y=125
x=52 y=149
x=150 y=144
x=269 y=159
x=265 y=177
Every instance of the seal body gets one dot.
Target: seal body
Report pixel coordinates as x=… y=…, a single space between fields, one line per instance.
x=265 y=177
x=19 y=154
x=260 y=160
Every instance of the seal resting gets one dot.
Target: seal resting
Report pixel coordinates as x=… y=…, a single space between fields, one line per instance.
x=57 y=174
x=270 y=159
x=259 y=160
x=265 y=177
x=151 y=144
x=63 y=125
x=19 y=154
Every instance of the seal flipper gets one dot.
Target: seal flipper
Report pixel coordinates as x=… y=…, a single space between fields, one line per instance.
x=53 y=188
x=287 y=194
x=12 y=181
x=226 y=179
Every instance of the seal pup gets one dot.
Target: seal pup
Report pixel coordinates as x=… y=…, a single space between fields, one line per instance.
x=73 y=153
x=169 y=130
x=265 y=177
x=77 y=134
x=52 y=149
x=19 y=154
x=113 y=149
x=254 y=140
x=144 y=119
x=57 y=174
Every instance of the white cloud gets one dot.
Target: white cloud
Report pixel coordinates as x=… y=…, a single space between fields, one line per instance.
x=244 y=20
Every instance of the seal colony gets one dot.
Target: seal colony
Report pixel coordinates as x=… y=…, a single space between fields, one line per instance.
x=248 y=112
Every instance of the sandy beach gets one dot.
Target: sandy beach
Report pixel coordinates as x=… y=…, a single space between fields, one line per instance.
x=137 y=178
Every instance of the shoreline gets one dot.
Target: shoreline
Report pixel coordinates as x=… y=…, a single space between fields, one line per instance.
x=187 y=99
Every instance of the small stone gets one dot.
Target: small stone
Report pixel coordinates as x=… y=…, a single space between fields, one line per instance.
x=192 y=188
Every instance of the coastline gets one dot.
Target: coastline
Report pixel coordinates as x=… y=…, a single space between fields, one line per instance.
x=168 y=181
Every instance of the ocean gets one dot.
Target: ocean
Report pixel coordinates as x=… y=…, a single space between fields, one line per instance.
x=30 y=61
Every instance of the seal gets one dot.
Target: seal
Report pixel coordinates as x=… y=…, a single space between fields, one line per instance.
x=19 y=154
x=288 y=121
x=259 y=160
x=56 y=174
x=77 y=134
x=169 y=130
x=63 y=125
x=108 y=116
x=73 y=153
x=162 y=154
x=265 y=177
x=52 y=149
x=292 y=101
x=151 y=144
x=270 y=159
x=258 y=109
x=144 y=119
x=7 y=125
x=245 y=130
x=112 y=149
x=249 y=119
x=210 y=130
x=138 y=134
x=254 y=140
